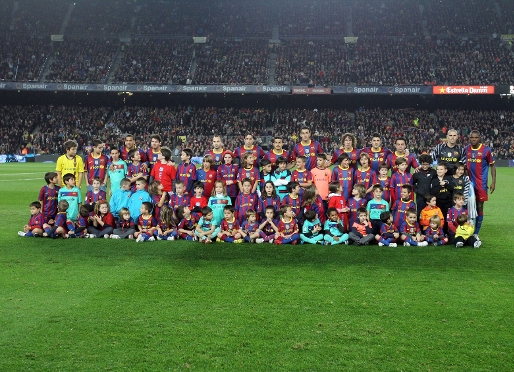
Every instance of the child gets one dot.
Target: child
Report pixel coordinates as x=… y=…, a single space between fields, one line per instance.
x=95 y=194
x=35 y=225
x=159 y=199
x=281 y=177
x=116 y=170
x=301 y=174
x=163 y=170
x=135 y=168
x=250 y=228
x=464 y=235
x=384 y=181
x=268 y=226
x=287 y=227
x=442 y=188
x=206 y=230
x=321 y=177
x=96 y=166
x=138 y=198
x=187 y=223
x=335 y=228
x=461 y=181
x=146 y=223
x=248 y=171
x=227 y=173
x=218 y=201
x=206 y=176
x=336 y=200
x=429 y=211
x=293 y=199
x=60 y=226
x=365 y=175
x=399 y=178
x=245 y=201
x=434 y=232
x=388 y=233
x=357 y=201
x=421 y=181
x=229 y=229
x=410 y=231
x=102 y=221
x=72 y=195
x=126 y=227
x=312 y=201
x=376 y=207
x=268 y=197
x=198 y=201
x=401 y=206
x=312 y=232
x=452 y=215
x=186 y=171
x=361 y=231
x=48 y=197
x=265 y=175
x=179 y=197
x=166 y=225
x=83 y=221
x=344 y=175
x=121 y=197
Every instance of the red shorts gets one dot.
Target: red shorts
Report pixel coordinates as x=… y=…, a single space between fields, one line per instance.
x=481 y=195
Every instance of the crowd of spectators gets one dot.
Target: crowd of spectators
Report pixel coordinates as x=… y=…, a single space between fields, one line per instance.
x=50 y=126
x=5 y=15
x=155 y=61
x=225 y=61
x=22 y=59
x=82 y=60
x=40 y=17
x=102 y=17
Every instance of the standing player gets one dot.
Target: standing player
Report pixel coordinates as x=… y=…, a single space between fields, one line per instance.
x=449 y=152
x=377 y=153
x=70 y=163
x=96 y=166
x=249 y=146
x=186 y=171
x=154 y=151
x=216 y=152
x=48 y=197
x=401 y=151
x=348 y=147
x=479 y=159
x=276 y=152
x=308 y=148
x=130 y=145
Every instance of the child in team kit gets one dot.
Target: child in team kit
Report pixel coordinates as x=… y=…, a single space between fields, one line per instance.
x=60 y=227
x=250 y=228
x=146 y=223
x=384 y=181
x=72 y=195
x=399 y=178
x=102 y=221
x=401 y=206
x=388 y=235
x=461 y=181
x=206 y=231
x=301 y=174
x=376 y=207
x=166 y=225
x=186 y=171
x=357 y=201
x=464 y=235
x=343 y=174
x=159 y=198
x=218 y=201
x=230 y=231
x=336 y=200
x=120 y=198
x=95 y=194
x=35 y=226
x=434 y=232
x=429 y=211
x=361 y=232
x=312 y=232
x=116 y=170
x=410 y=231
x=206 y=175
x=138 y=198
x=48 y=197
x=311 y=201
x=187 y=223
x=198 y=200
x=163 y=170
x=321 y=176
x=442 y=188
x=287 y=227
x=335 y=230
x=269 y=224
x=245 y=201
x=227 y=172
x=268 y=197
x=83 y=221
x=248 y=171
x=281 y=177
x=265 y=175
x=136 y=168
x=454 y=213
x=293 y=199
x=365 y=175
x=126 y=227
x=179 y=197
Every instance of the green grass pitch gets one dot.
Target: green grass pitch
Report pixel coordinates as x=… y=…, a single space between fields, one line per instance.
x=107 y=305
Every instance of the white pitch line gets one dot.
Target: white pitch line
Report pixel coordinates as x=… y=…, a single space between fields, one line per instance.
x=19 y=174
x=21 y=179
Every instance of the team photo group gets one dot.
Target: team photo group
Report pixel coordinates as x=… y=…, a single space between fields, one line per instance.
x=372 y=195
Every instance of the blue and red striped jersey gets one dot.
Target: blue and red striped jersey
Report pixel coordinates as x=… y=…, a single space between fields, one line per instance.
x=346 y=179
x=217 y=157
x=478 y=162
x=187 y=174
x=179 y=200
x=310 y=151
x=245 y=202
x=412 y=161
x=132 y=170
x=294 y=203
x=229 y=172
x=96 y=167
x=376 y=157
x=257 y=152
x=92 y=197
x=399 y=209
x=287 y=228
x=48 y=198
x=353 y=154
x=355 y=204
x=396 y=182
x=302 y=176
x=272 y=156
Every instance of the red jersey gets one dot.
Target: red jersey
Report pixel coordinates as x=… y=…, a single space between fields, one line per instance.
x=165 y=173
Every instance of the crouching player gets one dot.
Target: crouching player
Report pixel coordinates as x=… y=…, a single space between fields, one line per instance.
x=464 y=233
x=312 y=232
x=388 y=233
x=167 y=227
x=268 y=227
x=410 y=231
x=35 y=225
x=206 y=231
x=434 y=232
x=287 y=227
x=146 y=223
x=83 y=220
x=229 y=229
x=60 y=228
x=334 y=229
